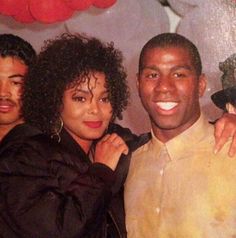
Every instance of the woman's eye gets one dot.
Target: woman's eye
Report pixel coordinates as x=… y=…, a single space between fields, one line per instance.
x=17 y=83
x=105 y=99
x=79 y=99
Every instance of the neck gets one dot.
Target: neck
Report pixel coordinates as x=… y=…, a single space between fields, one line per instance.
x=84 y=144
x=4 y=129
x=166 y=134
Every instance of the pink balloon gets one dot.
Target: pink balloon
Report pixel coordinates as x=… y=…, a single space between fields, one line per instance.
x=24 y=15
x=49 y=11
x=103 y=3
x=12 y=7
x=79 y=4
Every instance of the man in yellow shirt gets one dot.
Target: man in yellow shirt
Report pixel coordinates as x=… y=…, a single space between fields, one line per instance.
x=177 y=187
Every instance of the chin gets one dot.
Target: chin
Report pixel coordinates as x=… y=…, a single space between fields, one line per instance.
x=95 y=136
x=165 y=124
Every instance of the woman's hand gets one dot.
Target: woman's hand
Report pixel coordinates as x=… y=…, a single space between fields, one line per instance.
x=109 y=149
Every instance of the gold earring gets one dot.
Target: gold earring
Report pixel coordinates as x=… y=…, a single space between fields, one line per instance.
x=57 y=130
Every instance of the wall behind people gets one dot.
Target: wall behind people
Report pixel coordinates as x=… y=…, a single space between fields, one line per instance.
x=211 y=25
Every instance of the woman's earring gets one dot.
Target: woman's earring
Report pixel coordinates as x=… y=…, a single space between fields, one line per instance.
x=57 y=130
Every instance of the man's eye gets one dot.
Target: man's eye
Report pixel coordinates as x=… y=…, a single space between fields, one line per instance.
x=179 y=75
x=152 y=75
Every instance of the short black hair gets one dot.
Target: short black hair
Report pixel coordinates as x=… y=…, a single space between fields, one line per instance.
x=64 y=62
x=172 y=40
x=14 y=46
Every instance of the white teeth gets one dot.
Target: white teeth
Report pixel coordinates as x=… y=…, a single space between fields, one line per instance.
x=166 y=105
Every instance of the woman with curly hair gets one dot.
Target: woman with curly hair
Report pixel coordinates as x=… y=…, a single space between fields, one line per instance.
x=66 y=180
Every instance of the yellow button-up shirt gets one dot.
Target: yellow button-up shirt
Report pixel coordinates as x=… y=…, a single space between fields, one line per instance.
x=181 y=189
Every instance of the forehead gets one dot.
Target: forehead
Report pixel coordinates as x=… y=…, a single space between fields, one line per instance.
x=12 y=59
x=12 y=65
x=167 y=55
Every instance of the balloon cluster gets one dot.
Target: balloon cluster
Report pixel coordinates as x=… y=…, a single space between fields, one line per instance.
x=47 y=11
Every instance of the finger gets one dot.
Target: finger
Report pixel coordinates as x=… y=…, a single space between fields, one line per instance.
x=118 y=140
x=113 y=137
x=219 y=128
x=105 y=138
x=232 y=151
x=126 y=150
x=219 y=141
x=123 y=149
x=225 y=136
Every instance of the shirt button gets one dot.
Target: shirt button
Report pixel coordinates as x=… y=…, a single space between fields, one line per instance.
x=161 y=172
x=158 y=210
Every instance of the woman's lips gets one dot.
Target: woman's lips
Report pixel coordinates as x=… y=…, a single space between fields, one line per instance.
x=93 y=124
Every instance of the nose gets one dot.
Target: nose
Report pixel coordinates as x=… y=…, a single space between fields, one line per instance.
x=165 y=84
x=4 y=89
x=93 y=107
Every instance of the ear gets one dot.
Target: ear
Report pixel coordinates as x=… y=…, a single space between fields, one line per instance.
x=202 y=83
x=137 y=80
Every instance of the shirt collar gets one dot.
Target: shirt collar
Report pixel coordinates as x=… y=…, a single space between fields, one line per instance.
x=179 y=146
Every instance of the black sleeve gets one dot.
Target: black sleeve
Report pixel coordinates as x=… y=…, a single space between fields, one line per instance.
x=132 y=140
x=43 y=196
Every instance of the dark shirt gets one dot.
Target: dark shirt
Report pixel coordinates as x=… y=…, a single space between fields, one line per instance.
x=50 y=189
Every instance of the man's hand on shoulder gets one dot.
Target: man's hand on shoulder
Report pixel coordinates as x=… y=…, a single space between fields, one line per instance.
x=225 y=127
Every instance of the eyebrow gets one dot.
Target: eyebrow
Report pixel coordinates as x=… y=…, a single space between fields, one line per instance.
x=87 y=91
x=149 y=67
x=187 y=67
x=16 y=76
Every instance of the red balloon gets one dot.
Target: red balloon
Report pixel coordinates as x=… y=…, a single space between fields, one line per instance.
x=79 y=5
x=24 y=16
x=104 y=3
x=12 y=7
x=50 y=11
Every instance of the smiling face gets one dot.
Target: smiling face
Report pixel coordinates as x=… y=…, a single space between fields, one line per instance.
x=87 y=110
x=170 y=89
x=12 y=71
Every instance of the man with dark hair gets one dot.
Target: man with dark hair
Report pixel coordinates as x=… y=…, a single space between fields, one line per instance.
x=177 y=186
x=16 y=55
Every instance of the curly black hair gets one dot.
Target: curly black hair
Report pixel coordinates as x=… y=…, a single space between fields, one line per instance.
x=62 y=63
x=14 y=46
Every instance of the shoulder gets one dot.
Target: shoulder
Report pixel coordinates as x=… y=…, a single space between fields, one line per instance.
x=143 y=139
x=16 y=137
x=133 y=141
x=25 y=142
x=19 y=133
